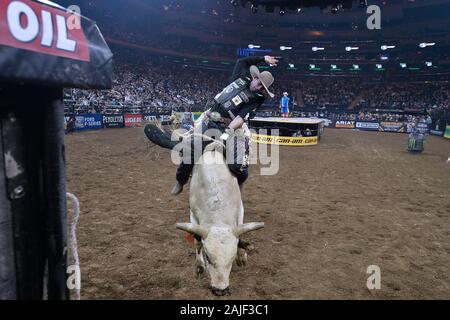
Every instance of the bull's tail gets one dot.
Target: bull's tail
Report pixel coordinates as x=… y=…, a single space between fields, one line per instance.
x=159 y=137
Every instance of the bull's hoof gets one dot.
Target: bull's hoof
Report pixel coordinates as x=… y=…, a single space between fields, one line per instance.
x=200 y=272
x=241 y=258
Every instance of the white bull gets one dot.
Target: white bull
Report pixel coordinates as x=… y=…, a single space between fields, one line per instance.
x=216 y=216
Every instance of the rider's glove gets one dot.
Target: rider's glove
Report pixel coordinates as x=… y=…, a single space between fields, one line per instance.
x=226 y=134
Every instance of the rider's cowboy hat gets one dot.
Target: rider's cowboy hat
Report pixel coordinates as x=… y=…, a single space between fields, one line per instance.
x=265 y=77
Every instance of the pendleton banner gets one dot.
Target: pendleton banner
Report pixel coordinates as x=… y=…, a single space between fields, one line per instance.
x=284 y=141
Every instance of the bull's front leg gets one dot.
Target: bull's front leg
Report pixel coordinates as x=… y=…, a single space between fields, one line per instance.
x=200 y=263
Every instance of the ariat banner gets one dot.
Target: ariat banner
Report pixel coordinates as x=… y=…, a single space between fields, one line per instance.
x=345 y=124
x=284 y=141
x=447 y=132
x=392 y=126
x=132 y=120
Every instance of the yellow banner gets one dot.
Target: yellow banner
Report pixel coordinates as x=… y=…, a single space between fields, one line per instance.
x=285 y=141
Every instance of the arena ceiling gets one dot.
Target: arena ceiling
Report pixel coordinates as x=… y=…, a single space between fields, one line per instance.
x=217 y=31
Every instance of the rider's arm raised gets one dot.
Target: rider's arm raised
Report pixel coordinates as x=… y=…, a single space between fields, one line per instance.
x=243 y=64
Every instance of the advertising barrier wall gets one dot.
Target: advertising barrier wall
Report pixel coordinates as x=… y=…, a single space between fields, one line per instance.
x=392 y=126
x=88 y=121
x=329 y=123
x=368 y=125
x=447 y=132
x=132 y=120
x=284 y=141
x=422 y=127
x=164 y=118
x=345 y=124
x=113 y=121
x=437 y=127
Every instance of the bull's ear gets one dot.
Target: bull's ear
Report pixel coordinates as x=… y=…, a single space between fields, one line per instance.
x=196 y=229
x=246 y=227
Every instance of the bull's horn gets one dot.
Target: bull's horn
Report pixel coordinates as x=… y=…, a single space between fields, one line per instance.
x=193 y=228
x=246 y=227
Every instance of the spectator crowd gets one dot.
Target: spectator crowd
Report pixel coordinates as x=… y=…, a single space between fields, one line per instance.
x=144 y=85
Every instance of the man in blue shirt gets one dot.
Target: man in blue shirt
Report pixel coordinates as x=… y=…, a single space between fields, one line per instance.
x=284 y=105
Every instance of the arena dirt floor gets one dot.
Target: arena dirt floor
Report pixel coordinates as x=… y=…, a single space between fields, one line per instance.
x=356 y=199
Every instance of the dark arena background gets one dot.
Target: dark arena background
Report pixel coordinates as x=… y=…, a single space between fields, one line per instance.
x=358 y=209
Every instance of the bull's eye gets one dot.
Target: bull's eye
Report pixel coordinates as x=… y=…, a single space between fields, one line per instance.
x=207 y=257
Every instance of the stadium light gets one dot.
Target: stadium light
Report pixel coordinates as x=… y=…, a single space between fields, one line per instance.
x=424 y=44
x=355 y=66
x=317 y=49
x=403 y=65
x=334 y=9
x=252 y=46
x=282 y=48
x=351 y=48
x=429 y=63
x=379 y=66
x=333 y=66
x=385 y=47
x=312 y=66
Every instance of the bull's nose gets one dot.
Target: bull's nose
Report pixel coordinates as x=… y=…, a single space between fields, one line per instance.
x=221 y=292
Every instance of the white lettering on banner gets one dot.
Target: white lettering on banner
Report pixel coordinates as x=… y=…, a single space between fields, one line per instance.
x=63 y=42
x=150 y=118
x=113 y=119
x=29 y=32
x=132 y=120
x=47 y=29
x=368 y=125
x=344 y=122
x=14 y=12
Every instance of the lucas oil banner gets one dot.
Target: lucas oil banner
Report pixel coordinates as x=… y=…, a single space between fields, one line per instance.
x=44 y=43
x=284 y=141
x=132 y=120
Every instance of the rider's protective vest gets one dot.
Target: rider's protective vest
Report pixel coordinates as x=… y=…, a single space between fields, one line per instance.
x=236 y=95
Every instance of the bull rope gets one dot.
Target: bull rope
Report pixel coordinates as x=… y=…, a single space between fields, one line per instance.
x=73 y=245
